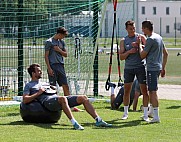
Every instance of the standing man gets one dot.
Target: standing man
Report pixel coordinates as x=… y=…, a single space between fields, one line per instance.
x=156 y=58
x=134 y=66
x=55 y=51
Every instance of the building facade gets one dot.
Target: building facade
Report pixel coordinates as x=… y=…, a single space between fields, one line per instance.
x=166 y=16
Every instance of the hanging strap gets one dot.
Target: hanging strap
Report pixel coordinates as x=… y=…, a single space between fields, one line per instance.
x=78 y=49
x=107 y=85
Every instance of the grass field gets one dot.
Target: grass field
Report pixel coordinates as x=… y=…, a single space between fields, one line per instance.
x=13 y=129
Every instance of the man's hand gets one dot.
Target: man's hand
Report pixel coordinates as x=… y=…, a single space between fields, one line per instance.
x=41 y=90
x=135 y=44
x=50 y=72
x=162 y=73
x=132 y=50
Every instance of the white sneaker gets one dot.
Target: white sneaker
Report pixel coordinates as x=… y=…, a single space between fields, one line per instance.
x=155 y=120
x=145 y=118
x=125 y=116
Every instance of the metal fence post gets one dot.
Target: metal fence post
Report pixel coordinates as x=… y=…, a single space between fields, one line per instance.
x=20 y=47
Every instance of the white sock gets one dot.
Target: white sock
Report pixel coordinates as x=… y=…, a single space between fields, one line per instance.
x=73 y=121
x=98 y=119
x=112 y=90
x=156 y=112
x=126 y=110
x=145 y=110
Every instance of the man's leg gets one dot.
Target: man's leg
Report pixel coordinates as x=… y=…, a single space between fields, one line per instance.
x=144 y=91
x=129 y=75
x=155 y=104
x=141 y=76
x=82 y=99
x=126 y=99
x=117 y=101
x=66 y=90
x=113 y=96
x=65 y=107
x=152 y=88
x=67 y=93
x=135 y=100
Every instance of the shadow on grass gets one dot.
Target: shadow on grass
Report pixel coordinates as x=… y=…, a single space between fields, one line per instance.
x=116 y=124
x=174 y=107
x=9 y=114
x=42 y=125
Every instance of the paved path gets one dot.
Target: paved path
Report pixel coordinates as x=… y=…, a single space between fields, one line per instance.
x=169 y=92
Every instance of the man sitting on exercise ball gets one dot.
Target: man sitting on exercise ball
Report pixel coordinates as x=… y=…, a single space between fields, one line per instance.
x=35 y=90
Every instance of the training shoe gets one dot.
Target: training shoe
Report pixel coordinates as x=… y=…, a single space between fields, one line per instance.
x=145 y=118
x=75 y=109
x=103 y=124
x=155 y=120
x=125 y=116
x=77 y=126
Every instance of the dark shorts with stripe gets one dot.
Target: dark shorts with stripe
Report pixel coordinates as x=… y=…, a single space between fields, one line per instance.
x=140 y=73
x=52 y=104
x=152 y=79
x=59 y=75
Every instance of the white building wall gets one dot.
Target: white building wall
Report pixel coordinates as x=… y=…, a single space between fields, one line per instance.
x=126 y=11
x=161 y=20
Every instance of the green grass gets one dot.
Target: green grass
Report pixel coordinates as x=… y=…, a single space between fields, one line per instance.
x=12 y=128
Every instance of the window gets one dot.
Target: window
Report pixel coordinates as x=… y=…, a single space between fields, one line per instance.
x=154 y=10
x=167 y=29
x=143 y=10
x=167 y=11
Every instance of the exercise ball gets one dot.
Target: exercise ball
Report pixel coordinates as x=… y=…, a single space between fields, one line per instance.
x=35 y=112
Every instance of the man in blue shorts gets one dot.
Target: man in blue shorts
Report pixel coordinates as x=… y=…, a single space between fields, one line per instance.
x=36 y=90
x=134 y=66
x=156 y=58
x=55 y=51
x=116 y=101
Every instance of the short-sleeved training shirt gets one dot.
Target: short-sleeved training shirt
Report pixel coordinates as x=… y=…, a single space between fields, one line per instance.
x=54 y=56
x=33 y=87
x=154 y=47
x=133 y=60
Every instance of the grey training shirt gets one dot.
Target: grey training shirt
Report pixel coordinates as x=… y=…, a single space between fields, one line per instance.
x=133 y=60
x=154 y=46
x=54 y=56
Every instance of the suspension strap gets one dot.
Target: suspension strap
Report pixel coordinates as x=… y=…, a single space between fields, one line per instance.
x=107 y=85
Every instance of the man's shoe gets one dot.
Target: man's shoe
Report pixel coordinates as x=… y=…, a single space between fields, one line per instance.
x=77 y=126
x=145 y=118
x=125 y=116
x=155 y=120
x=75 y=109
x=103 y=124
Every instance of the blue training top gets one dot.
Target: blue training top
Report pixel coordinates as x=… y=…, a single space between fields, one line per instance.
x=54 y=56
x=133 y=60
